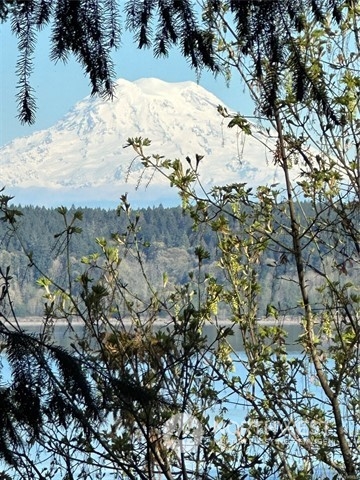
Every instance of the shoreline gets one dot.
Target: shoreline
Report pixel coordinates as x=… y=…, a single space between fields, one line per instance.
x=38 y=321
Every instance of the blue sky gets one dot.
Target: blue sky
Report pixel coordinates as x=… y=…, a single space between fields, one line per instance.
x=59 y=86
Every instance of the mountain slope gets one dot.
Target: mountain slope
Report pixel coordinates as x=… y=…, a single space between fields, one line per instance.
x=81 y=158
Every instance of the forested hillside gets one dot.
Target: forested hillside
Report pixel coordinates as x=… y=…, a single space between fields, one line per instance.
x=168 y=246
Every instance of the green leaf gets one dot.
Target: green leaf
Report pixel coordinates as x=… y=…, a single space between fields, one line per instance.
x=240 y=122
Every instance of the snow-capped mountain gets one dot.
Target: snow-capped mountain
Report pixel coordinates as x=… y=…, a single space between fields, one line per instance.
x=81 y=159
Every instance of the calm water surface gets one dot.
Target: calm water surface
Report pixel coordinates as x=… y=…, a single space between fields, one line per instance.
x=63 y=336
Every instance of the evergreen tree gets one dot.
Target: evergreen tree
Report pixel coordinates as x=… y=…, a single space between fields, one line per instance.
x=90 y=30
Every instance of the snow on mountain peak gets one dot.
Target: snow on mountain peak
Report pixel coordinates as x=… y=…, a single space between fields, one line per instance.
x=81 y=158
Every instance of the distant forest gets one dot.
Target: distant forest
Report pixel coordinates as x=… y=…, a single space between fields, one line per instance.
x=168 y=243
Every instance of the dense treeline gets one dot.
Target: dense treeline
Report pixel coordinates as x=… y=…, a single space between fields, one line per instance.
x=168 y=242
x=165 y=233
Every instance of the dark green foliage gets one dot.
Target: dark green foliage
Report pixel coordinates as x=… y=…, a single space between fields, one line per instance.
x=36 y=395
x=269 y=28
x=90 y=30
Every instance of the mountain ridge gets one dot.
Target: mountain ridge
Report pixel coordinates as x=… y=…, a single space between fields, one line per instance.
x=81 y=159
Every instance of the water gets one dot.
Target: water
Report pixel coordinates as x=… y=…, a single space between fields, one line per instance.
x=236 y=414
x=63 y=336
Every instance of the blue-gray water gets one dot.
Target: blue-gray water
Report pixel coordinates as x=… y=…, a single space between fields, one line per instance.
x=64 y=337
x=237 y=414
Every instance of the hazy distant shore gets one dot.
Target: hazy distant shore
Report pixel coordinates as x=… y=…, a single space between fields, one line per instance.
x=37 y=321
